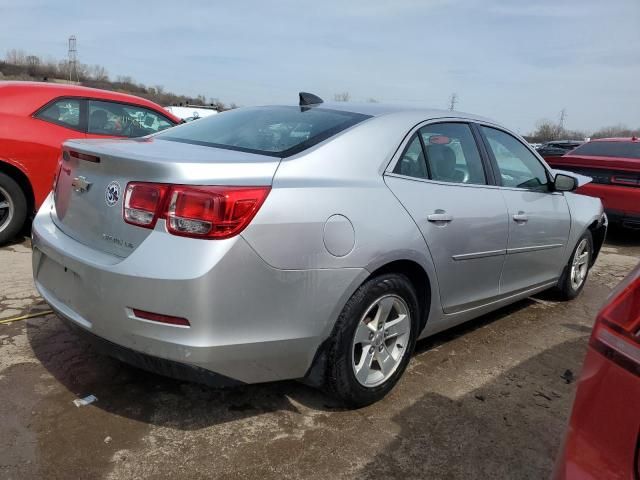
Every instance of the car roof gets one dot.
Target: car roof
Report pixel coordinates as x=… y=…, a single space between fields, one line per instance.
x=617 y=139
x=375 y=109
x=29 y=96
x=563 y=142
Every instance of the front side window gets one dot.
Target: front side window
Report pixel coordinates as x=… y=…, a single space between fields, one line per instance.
x=519 y=168
x=279 y=131
x=452 y=154
x=65 y=112
x=122 y=120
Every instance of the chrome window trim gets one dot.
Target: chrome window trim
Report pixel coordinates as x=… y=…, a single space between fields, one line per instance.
x=548 y=169
x=468 y=185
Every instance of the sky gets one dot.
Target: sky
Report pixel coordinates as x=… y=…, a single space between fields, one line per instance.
x=515 y=61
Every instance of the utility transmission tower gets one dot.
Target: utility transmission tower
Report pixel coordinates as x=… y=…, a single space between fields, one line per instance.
x=73 y=60
x=453 y=99
x=563 y=116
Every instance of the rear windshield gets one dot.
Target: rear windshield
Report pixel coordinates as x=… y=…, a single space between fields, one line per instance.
x=276 y=131
x=609 y=149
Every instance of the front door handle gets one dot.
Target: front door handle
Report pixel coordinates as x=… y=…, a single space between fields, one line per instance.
x=520 y=217
x=439 y=216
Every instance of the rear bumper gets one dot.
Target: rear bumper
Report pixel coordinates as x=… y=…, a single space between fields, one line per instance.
x=249 y=321
x=622 y=204
x=161 y=366
x=628 y=220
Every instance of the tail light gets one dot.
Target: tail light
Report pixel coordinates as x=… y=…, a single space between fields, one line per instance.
x=213 y=212
x=626 y=180
x=143 y=202
x=616 y=333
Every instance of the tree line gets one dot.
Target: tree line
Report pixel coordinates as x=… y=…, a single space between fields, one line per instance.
x=19 y=65
x=547 y=130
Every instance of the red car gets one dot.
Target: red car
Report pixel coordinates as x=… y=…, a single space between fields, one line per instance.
x=35 y=118
x=603 y=437
x=614 y=165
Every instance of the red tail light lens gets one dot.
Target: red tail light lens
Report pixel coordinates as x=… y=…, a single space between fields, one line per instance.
x=212 y=212
x=143 y=202
x=626 y=180
x=617 y=330
x=158 y=317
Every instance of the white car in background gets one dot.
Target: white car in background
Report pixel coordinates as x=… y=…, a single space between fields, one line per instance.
x=191 y=112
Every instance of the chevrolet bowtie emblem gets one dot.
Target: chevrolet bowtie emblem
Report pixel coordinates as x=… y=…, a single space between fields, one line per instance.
x=80 y=184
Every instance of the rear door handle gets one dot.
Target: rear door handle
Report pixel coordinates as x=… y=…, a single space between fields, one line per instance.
x=520 y=217
x=439 y=216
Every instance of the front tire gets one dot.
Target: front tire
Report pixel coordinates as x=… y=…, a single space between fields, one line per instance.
x=372 y=340
x=13 y=208
x=576 y=271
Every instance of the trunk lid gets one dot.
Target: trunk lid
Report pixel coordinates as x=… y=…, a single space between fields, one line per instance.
x=89 y=194
x=596 y=162
x=602 y=170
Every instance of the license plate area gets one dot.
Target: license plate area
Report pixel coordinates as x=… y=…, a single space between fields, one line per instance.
x=59 y=280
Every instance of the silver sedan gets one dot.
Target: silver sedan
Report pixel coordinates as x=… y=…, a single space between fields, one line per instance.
x=312 y=241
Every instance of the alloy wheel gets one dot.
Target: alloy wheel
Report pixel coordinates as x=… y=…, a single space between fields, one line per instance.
x=381 y=340
x=7 y=209
x=580 y=264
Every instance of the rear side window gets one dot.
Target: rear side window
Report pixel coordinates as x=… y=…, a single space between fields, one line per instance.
x=519 y=168
x=412 y=162
x=123 y=120
x=609 y=149
x=65 y=112
x=276 y=131
x=450 y=154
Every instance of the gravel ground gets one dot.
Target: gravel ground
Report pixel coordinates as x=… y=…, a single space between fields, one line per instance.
x=489 y=399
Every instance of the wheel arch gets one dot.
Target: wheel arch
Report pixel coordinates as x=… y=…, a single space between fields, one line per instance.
x=422 y=283
x=598 y=229
x=418 y=277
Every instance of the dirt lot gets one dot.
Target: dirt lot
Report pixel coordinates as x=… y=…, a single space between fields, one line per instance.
x=489 y=399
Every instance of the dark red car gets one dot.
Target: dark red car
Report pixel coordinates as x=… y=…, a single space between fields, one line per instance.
x=614 y=165
x=602 y=440
x=35 y=118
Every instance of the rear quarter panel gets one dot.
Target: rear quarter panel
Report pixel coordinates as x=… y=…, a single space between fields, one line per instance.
x=614 y=197
x=344 y=177
x=339 y=177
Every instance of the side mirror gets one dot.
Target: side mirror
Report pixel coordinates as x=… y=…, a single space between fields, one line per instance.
x=565 y=183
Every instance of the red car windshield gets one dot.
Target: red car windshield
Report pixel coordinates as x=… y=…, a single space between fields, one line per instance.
x=629 y=149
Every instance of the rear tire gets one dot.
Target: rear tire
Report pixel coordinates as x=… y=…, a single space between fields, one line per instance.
x=13 y=208
x=576 y=271
x=372 y=340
